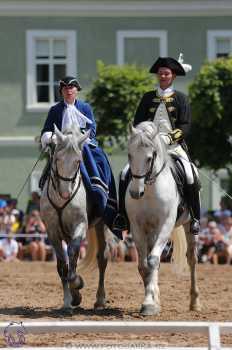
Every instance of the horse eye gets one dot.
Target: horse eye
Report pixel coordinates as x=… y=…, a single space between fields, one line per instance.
x=149 y=159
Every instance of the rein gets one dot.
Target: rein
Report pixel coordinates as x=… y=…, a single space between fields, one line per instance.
x=149 y=176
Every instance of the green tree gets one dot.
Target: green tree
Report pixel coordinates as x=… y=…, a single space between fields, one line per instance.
x=211 y=101
x=114 y=96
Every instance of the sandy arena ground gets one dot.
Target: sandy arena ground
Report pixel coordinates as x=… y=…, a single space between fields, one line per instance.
x=32 y=292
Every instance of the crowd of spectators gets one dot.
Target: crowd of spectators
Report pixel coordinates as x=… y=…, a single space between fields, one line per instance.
x=23 y=236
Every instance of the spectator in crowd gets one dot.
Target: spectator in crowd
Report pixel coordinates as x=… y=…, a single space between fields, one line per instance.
x=219 y=247
x=3 y=205
x=8 y=248
x=37 y=245
x=227 y=228
x=33 y=203
x=206 y=241
x=126 y=248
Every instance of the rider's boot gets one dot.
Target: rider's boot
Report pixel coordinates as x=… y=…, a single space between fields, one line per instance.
x=121 y=221
x=193 y=198
x=44 y=175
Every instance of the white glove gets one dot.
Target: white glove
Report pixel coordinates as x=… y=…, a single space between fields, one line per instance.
x=47 y=138
x=166 y=138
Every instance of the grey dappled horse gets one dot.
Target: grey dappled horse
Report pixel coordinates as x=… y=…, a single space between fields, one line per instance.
x=152 y=201
x=68 y=213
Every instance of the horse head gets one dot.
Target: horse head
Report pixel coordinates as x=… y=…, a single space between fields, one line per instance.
x=144 y=153
x=67 y=158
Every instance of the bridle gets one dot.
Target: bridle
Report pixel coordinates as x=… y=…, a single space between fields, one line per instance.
x=55 y=178
x=150 y=177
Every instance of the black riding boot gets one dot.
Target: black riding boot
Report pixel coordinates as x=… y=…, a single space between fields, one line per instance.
x=121 y=222
x=193 y=201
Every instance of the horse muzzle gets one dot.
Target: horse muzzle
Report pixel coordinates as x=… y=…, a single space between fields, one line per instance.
x=135 y=194
x=65 y=195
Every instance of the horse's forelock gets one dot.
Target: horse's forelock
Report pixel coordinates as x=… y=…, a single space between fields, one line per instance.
x=144 y=134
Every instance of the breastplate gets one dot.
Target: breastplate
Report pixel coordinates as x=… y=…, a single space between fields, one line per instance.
x=161 y=119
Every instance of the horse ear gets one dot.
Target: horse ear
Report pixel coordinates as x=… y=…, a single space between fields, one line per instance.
x=83 y=138
x=132 y=130
x=59 y=135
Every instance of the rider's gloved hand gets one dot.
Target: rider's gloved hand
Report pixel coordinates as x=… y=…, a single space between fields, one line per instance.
x=48 y=138
x=176 y=135
x=166 y=138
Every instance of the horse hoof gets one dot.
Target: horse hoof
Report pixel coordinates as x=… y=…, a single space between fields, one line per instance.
x=66 y=311
x=195 y=307
x=99 y=306
x=77 y=283
x=149 y=310
x=76 y=300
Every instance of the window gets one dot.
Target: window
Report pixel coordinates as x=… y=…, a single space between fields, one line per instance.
x=140 y=46
x=50 y=56
x=219 y=43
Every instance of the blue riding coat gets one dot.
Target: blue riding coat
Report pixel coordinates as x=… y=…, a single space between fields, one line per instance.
x=95 y=168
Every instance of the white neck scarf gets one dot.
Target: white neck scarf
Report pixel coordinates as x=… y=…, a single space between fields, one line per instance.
x=72 y=115
x=165 y=93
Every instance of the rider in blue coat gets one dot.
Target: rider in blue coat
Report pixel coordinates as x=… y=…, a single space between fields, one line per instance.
x=95 y=168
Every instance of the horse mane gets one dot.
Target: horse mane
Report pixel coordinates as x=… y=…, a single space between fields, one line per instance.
x=147 y=135
x=71 y=140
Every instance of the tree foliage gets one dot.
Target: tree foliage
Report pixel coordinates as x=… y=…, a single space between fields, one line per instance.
x=211 y=101
x=114 y=97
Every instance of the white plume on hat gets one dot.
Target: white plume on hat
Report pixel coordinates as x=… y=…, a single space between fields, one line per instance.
x=187 y=67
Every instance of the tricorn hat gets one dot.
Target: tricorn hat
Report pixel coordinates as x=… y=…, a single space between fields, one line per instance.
x=167 y=62
x=69 y=81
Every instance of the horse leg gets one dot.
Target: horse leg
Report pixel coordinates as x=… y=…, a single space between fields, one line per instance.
x=102 y=263
x=155 y=246
x=192 y=259
x=62 y=269
x=150 y=305
x=75 y=281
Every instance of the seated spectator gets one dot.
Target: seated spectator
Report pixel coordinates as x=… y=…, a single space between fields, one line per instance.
x=205 y=240
x=3 y=205
x=8 y=249
x=219 y=247
x=37 y=245
x=33 y=203
x=126 y=248
x=227 y=227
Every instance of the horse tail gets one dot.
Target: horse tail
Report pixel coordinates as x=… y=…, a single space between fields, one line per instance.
x=179 y=259
x=90 y=260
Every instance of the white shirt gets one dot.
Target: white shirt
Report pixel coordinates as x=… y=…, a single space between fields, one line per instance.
x=70 y=115
x=9 y=247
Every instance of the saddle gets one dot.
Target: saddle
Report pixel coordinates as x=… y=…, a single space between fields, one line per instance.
x=180 y=178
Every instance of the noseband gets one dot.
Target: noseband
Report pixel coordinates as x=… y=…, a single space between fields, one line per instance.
x=150 y=177
x=58 y=177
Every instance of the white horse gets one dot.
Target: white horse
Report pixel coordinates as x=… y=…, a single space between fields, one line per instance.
x=152 y=201
x=68 y=213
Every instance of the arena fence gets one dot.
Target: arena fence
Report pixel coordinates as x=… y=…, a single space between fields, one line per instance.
x=212 y=329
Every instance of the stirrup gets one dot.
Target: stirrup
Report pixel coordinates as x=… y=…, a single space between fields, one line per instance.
x=195 y=226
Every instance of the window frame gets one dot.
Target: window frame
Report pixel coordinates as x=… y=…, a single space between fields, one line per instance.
x=125 y=34
x=212 y=36
x=31 y=35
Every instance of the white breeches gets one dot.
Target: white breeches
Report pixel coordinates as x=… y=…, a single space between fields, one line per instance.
x=178 y=150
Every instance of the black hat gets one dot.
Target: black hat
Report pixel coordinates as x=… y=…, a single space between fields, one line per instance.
x=69 y=81
x=168 y=62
